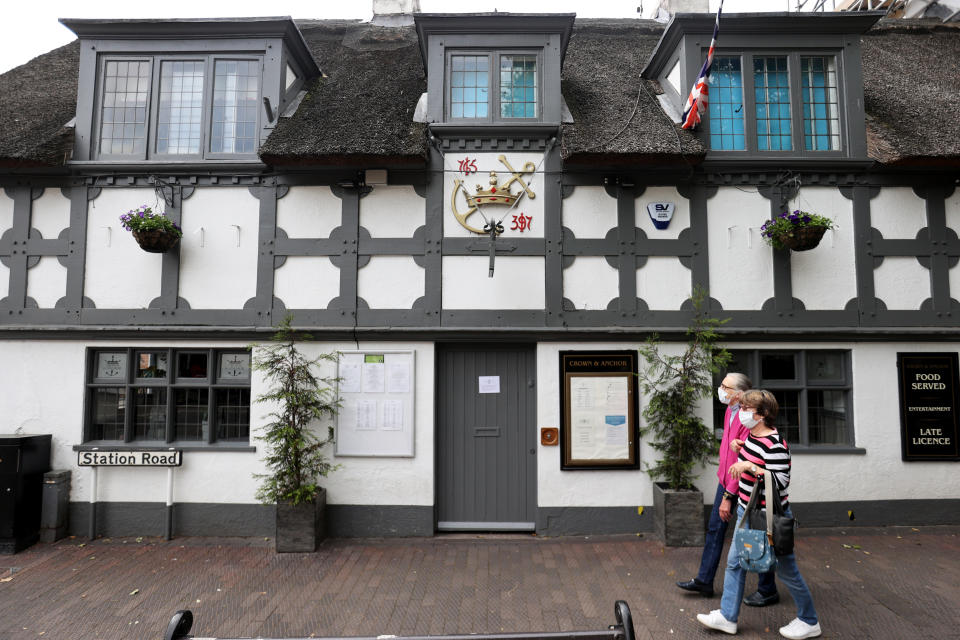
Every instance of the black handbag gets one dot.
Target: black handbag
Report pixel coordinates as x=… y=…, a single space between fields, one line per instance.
x=783 y=526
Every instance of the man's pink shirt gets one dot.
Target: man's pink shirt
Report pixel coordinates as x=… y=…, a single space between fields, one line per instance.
x=732 y=429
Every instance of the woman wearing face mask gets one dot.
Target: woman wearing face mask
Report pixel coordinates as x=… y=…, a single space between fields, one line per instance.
x=731 y=388
x=762 y=449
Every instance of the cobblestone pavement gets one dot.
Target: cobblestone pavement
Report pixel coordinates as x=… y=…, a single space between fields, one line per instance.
x=896 y=582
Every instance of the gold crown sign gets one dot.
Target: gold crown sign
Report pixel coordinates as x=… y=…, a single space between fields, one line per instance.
x=496 y=194
x=492 y=195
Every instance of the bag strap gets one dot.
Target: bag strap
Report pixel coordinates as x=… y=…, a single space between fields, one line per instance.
x=754 y=498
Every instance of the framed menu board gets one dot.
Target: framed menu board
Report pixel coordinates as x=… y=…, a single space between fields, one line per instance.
x=929 y=406
x=598 y=405
x=377 y=401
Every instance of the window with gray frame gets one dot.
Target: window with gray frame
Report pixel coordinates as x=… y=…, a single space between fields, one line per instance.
x=158 y=107
x=774 y=102
x=813 y=388
x=493 y=86
x=155 y=395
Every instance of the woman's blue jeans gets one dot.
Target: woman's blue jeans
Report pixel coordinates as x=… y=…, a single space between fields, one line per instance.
x=713 y=550
x=788 y=573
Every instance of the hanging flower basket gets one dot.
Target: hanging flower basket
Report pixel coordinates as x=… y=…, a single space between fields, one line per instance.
x=803 y=238
x=798 y=231
x=154 y=232
x=156 y=241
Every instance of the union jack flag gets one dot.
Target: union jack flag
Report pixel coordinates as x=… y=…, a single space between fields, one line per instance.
x=697 y=100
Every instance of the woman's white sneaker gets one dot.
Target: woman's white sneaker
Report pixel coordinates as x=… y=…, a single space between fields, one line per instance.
x=715 y=620
x=798 y=630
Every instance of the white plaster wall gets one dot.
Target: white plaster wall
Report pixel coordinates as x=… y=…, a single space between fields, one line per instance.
x=6 y=212
x=392 y=212
x=216 y=476
x=663 y=282
x=391 y=282
x=879 y=474
x=590 y=283
x=309 y=212
x=485 y=163
x=589 y=212
x=118 y=273
x=681 y=212
x=220 y=274
x=897 y=212
x=517 y=283
x=51 y=213
x=4 y=281
x=901 y=282
x=619 y=488
x=47 y=282
x=741 y=263
x=952 y=207
x=305 y=282
x=826 y=277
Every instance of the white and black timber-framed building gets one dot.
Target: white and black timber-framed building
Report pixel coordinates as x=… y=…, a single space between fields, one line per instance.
x=323 y=168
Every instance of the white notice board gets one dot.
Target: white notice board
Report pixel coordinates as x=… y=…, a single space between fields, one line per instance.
x=376 y=415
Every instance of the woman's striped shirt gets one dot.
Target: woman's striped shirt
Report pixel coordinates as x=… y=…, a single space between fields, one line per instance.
x=771 y=453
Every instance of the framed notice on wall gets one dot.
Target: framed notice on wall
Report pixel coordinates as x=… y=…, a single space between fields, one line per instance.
x=377 y=394
x=929 y=405
x=598 y=408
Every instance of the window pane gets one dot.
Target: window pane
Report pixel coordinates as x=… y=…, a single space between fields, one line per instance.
x=518 y=86
x=726 y=109
x=150 y=414
x=825 y=366
x=181 y=107
x=772 y=86
x=777 y=366
x=191 y=365
x=111 y=366
x=468 y=96
x=122 y=87
x=234 y=367
x=152 y=364
x=233 y=414
x=821 y=106
x=788 y=420
x=235 y=99
x=191 y=407
x=827 y=417
x=109 y=405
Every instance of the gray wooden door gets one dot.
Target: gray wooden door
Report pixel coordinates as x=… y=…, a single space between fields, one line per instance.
x=486 y=442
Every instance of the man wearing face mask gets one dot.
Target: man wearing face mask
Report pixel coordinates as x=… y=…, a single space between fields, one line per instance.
x=729 y=393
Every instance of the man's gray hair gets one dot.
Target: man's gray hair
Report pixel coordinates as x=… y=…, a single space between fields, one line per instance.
x=740 y=381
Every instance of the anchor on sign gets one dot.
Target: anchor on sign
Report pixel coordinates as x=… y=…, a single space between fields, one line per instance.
x=494 y=195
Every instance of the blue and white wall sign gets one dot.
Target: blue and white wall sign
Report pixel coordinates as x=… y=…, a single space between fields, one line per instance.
x=661 y=213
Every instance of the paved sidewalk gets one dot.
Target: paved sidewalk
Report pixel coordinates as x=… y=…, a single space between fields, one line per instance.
x=897 y=582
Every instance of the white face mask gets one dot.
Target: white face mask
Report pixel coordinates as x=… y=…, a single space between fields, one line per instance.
x=747 y=419
x=723 y=396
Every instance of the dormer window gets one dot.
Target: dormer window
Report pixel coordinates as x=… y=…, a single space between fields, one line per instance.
x=768 y=94
x=157 y=106
x=783 y=85
x=493 y=70
x=177 y=91
x=493 y=86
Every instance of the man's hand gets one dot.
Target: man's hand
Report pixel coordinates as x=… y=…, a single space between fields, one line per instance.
x=725 y=510
x=736 y=445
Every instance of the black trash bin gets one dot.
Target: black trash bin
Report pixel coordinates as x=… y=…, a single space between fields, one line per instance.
x=23 y=461
x=56 y=505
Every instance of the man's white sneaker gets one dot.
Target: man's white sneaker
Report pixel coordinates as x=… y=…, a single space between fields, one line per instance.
x=715 y=620
x=798 y=630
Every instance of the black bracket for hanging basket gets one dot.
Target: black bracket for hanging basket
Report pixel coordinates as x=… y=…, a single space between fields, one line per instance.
x=494 y=229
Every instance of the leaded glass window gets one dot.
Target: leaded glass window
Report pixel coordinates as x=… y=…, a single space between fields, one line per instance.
x=469 y=86
x=123 y=114
x=180 y=112
x=518 y=86
x=726 y=104
x=236 y=94
x=771 y=85
x=821 y=104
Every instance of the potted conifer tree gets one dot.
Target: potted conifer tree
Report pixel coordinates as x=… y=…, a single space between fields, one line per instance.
x=302 y=402
x=673 y=386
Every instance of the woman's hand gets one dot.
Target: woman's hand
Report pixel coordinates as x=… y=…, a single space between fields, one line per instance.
x=736 y=445
x=737 y=468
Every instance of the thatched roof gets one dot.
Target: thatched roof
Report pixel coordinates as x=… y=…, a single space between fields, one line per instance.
x=363 y=108
x=361 y=111
x=615 y=112
x=37 y=100
x=911 y=73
